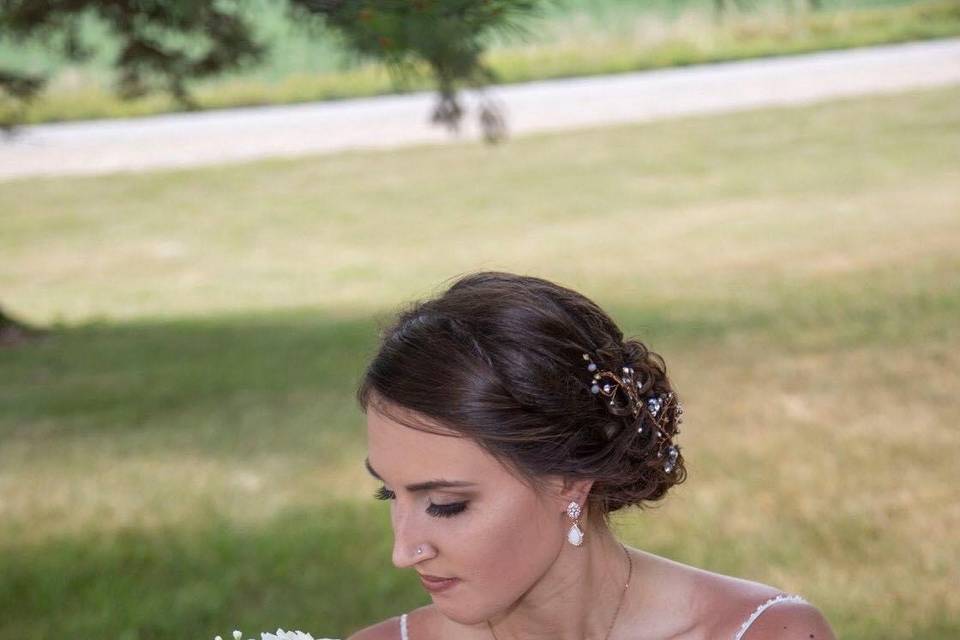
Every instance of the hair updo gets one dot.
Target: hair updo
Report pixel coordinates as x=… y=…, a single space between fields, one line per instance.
x=498 y=358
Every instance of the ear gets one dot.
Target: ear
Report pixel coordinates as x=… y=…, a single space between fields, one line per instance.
x=569 y=490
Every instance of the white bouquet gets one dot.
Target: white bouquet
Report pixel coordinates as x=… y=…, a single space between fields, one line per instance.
x=279 y=635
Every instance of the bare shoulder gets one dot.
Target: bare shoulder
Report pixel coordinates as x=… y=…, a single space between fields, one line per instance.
x=736 y=601
x=389 y=629
x=790 y=620
x=725 y=603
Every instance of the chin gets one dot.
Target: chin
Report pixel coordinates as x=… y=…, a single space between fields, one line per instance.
x=470 y=613
x=465 y=618
x=460 y=612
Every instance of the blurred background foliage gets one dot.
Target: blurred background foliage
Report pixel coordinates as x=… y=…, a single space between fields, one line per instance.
x=326 y=49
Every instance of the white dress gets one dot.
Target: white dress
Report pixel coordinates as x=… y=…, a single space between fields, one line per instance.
x=404 y=634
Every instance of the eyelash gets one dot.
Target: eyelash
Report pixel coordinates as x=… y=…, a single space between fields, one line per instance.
x=436 y=510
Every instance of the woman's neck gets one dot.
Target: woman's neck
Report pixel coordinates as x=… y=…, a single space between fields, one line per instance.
x=576 y=599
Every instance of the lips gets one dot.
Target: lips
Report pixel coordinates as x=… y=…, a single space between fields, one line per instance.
x=427 y=576
x=435 y=584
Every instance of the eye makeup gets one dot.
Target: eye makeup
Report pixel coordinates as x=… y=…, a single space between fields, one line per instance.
x=435 y=510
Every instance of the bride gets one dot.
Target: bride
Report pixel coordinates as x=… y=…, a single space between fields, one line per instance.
x=507 y=419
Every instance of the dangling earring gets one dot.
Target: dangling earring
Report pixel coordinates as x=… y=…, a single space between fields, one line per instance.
x=575 y=535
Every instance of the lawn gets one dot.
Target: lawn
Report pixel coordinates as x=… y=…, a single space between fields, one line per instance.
x=182 y=456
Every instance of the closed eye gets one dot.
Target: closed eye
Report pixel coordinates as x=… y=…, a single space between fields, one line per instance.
x=435 y=510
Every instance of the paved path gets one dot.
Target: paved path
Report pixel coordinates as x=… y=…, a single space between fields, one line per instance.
x=214 y=137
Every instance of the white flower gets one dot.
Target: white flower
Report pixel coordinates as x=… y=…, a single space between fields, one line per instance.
x=287 y=635
x=279 y=635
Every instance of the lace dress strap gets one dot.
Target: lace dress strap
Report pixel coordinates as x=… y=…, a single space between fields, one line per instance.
x=783 y=597
x=403 y=628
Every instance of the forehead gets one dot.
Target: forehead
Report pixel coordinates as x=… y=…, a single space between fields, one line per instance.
x=403 y=453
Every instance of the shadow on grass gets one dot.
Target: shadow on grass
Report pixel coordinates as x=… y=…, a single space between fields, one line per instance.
x=196 y=375
x=193 y=381
x=181 y=374
x=326 y=571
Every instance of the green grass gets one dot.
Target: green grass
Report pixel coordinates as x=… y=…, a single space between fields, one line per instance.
x=182 y=456
x=572 y=38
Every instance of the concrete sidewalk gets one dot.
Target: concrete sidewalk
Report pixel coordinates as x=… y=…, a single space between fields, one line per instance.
x=215 y=137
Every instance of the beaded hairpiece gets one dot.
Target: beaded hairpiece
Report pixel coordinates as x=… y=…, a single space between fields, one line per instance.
x=607 y=383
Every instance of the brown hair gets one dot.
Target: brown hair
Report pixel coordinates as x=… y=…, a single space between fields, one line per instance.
x=498 y=358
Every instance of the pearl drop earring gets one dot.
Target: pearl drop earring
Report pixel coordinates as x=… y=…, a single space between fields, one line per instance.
x=575 y=535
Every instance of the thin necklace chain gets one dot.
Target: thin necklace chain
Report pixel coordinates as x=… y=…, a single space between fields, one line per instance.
x=622 y=596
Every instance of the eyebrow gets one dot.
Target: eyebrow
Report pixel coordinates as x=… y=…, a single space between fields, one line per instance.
x=423 y=486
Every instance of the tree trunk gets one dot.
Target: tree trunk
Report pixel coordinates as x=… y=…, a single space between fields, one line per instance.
x=718 y=7
x=14 y=332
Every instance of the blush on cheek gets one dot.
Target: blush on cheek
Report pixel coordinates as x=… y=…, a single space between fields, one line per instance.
x=510 y=551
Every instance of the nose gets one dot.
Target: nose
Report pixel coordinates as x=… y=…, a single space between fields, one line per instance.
x=407 y=536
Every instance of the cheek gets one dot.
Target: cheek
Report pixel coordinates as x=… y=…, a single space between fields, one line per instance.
x=511 y=544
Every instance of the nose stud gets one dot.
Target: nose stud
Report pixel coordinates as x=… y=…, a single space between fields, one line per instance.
x=419 y=550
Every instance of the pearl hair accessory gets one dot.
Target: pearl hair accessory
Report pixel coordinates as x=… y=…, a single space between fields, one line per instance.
x=607 y=384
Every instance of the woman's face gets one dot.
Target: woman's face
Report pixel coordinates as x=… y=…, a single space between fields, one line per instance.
x=496 y=535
